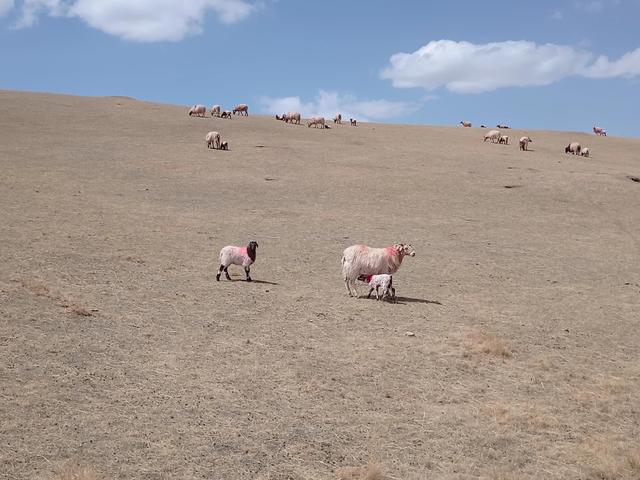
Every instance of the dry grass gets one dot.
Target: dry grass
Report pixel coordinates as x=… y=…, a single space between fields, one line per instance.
x=607 y=459
x=74 y=472
x=41 y=289
x=481 y=341
x=371 y=471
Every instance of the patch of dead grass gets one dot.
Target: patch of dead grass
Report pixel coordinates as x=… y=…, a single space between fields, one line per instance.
x=371 y=471
x=481 y=341
x=611 y=460
x=73 y=472
x=40 y=289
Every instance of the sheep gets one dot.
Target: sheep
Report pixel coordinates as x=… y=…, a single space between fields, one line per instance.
x=465 y=123
x=315 y=121
x=224 y=145
x=493 y=135
x=600 y=131
x=500 y=125
x=280 y=117
x=293 y=117
x=226 y=114
x=338 y=119
x=504 y=139
x=231 y=255
x=383 y=281
x=213 y=140
x=524 y=143
x=353 y=122
x=573 y=147
x=215 y=111
x=198 y=110
x=241 y=109
x=483 y=126
x=585 y=152
x=363 y=260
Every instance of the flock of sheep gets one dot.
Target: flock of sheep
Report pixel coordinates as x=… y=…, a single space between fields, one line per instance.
x=373 y=266
x=495 y=136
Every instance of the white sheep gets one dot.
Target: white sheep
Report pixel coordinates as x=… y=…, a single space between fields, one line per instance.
x=585 y=152
x=213 y=140
x=524 y=143
x=338 y=119
x=198 y=110
x=215 y=111
x=363 y=260
x=600 y=131
x=573 y=147
x=315 y=121
x=241 y=109
x=493 y=135
x=353 y=122
x=293 y=117
x=231 y=255
x=504 y=139
x=465 y=123
x=382 y=282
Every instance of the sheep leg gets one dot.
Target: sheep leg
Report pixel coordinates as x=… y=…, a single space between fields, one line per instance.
x=346 y=284
x=369 y=294
x=220 y=270
x=247 y=271
x=352 y=284
x=226 y=272
x=393 y=295
x=377 y=294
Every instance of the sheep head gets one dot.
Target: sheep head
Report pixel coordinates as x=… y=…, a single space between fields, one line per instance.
x=405 y=249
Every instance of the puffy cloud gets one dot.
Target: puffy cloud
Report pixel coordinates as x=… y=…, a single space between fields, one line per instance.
x=5 y=6
x=327 y=104
x=140 y=20
x=464 y=67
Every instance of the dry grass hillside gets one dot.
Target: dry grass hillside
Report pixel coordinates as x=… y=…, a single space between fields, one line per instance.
x=122 y=358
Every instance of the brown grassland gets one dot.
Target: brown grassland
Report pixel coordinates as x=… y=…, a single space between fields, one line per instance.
x=122 y=358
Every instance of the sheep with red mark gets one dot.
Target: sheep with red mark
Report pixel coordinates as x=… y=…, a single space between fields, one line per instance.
x=198 y=110
x=573 y=147
x=465 y=123
x=213 y=140
x=600 y=131
x=241 y=109
x=382 y=282
x=363 y=260
x=232 y=255
x=315 y=121
x=215 y=111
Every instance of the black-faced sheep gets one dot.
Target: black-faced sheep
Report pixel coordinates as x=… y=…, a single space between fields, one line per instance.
x=241 y=109
x=524 y=143
x=232 y=255
x=198 y=110
x=573 y=147
x=465 y=123
x=600 y=131
x=215 y=111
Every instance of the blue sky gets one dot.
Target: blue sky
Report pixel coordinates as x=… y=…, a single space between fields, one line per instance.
x=564 y=65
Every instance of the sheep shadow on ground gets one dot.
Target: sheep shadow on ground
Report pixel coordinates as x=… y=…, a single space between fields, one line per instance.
x=402 y=300
x=260 y=282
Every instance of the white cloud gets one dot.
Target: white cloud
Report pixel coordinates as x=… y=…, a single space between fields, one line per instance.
x=140 y=20
x=327 y=104
x=5 y=6
x=464 y=67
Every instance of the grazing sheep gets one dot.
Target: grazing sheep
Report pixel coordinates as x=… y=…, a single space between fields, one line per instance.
x=377 y=282
x=573 y=147
x=280 y=117
x=224 y=145
x=600 y=131
x=213 y=140
x=524 y=143
x=502 y=126
x=215 y=111
x=244 y=256
x=353 y=122
x=338 y=119
x=198 y=110
x=483 y=126
x=465 y=123
x=241 y=109
x=493 y=135
x=293 y=117
x=504 y=139
x=363 y=260
x=585 y=152
x=226 y=114
x=315 y=121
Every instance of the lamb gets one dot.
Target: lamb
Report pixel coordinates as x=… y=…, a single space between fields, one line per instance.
x=338 y=119
x=315 y=121
x=573 y=147
x=363 y=260
x=493 y=135
x=213 y=140
x=231 y=255
x=524 y=143
x=224 y=145
x=226 y=114
x=353 y=122
x=215 y=111
x=504 y=139
x=293 y=117
x=376 y=282
x=465 y=123
x=198 y=110
x=241 y=109
x=280 y=117
x=585 y=152
x=600 y=131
